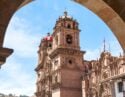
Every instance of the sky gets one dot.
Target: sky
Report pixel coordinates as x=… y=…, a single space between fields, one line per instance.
x=32 y=22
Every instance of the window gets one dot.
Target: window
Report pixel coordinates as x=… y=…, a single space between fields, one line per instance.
x=70 y=61
x=120 y=86
x=50 y=45
x=69 y=26
x=69 y=39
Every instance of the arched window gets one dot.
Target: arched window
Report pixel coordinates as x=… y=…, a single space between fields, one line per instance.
x=69 y=26
x=50 y=45
x=120 y=86
x=69 y=39
x=70 y=61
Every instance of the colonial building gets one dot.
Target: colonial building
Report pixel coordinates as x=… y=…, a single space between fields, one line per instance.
x=104 y=77
x=63 y=72
x=60 y=65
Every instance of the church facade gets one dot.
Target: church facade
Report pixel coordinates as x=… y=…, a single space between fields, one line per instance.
x=63 y=72
x=104 y=77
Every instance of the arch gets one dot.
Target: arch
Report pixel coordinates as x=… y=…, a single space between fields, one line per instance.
x=7 y=9
x=69 y=26
x=109 y=16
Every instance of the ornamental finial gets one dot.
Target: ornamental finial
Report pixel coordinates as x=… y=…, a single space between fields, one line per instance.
x=104 y=45
x=65 y=13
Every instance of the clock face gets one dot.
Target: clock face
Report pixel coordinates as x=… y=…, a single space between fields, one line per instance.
x=69 y=39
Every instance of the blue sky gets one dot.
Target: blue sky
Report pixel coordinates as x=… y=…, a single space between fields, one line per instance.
x=30 y=24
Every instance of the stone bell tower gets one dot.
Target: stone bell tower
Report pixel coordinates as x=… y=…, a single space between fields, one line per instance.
x=66 y=58
x=66 y=33
x=60 y=64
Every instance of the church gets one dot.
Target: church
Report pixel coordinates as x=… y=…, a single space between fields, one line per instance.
x=62 y=70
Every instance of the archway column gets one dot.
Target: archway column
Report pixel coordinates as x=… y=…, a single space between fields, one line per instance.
x=109 y=16
x=7 y=9
x=4 y=53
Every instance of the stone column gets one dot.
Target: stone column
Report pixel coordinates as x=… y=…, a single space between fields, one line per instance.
x=123 y=87
x=112 y=88
x=83 y=89
x=7 y=9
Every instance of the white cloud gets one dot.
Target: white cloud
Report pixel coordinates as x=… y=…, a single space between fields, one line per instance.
x=115 y=48
x=18 y=80
x=112 y=46
x=91 y=54
x=21 y=38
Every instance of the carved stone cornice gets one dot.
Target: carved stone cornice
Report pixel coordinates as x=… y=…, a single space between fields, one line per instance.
x=65 y=51
x=64 y=29
x=56 y=85
x=114 y=77
x=4 y=53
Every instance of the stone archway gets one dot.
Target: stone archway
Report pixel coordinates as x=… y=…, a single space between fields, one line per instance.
x=109 y=16
x=7 y=9
x=99 y=7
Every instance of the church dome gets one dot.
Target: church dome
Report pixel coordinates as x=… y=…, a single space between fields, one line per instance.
x=48 y=37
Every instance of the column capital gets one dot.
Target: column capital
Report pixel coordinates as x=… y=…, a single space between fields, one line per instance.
x=4 y=53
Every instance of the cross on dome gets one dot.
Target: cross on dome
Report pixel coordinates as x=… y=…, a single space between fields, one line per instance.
x=66 y=15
